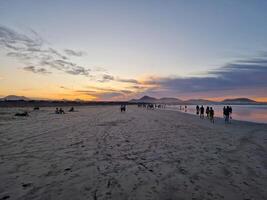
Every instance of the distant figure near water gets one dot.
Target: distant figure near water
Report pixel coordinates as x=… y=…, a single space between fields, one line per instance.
x=71 y=109
x=197 y=109
x=207 y=111
x=211 y=115
x=227 y=111
x=202 y=112
x=123 y=108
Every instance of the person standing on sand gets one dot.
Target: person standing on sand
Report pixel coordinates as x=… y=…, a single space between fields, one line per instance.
x=224 y=111
x=123 y=108
x=226 y=114
x=197 y=109
x=185 y=108
x=230 y=113
x=202 y=112
x=207 y=111
x=211 y=114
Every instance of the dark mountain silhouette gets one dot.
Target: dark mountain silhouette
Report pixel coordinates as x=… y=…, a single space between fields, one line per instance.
x=170 y=100
x=165 y=100
x=14 y=98
x=199 y=101
x=239 y=100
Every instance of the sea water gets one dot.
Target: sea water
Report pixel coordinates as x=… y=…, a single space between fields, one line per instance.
x=252 y=113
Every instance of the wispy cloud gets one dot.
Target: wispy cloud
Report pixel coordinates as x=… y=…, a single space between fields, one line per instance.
x=36 y=70
x=70 y=52
x=107 y=78
x=105 y=93
x=32 y=49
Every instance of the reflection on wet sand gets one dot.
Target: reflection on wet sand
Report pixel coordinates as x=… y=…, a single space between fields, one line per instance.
x=253 y=113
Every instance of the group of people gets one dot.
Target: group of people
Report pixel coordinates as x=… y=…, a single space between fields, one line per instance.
x=61 y=111
x=227 y=112
x=209 y=112
x=151 y=106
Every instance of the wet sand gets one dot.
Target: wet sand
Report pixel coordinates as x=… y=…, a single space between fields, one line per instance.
x=100 y=153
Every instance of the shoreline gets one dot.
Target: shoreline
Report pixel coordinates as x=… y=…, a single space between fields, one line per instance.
x=30 y=109
x=220 y=119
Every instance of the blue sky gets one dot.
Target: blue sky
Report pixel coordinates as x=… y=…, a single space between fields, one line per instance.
x=135 y=40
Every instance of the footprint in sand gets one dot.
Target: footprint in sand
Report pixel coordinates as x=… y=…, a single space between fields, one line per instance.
x=5 y=197
x=25 y=185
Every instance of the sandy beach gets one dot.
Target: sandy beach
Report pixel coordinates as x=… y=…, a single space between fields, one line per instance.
x=99 y=153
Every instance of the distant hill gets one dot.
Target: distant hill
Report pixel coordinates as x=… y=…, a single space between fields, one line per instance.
x=14 y=98
x=239 y=100
x=169 y=100
x=144 y=99
x=165 y=100
x=199 y=101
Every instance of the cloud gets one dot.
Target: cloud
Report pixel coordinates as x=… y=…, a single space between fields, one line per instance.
x=105 y=93
x=74 y=53
x=10 y=39
x=106 y=78
x=36 y=70
x=127 y=80
x=247 y=75
x=32 y=49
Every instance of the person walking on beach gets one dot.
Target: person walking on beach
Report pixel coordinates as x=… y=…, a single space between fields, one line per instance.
x=123 y=108
x=211 y=115
x=207 y=111
x=226 y=114
x=185 y=108
x=197 y=109
x=202 y=112
x=230 y=113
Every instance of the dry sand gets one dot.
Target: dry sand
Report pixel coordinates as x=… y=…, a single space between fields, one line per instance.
x=100 y=153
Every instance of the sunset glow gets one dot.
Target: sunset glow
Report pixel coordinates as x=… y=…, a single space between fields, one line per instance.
x=122 y=50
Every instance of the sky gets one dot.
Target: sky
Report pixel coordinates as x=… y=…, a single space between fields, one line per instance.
x=119 y=50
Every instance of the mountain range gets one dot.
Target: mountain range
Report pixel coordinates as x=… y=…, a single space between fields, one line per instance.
x=164 y=100
x=14 y=98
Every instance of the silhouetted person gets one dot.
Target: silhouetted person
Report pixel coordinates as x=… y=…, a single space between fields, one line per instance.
x=71 y=109
x=197 y=109
x=202 y=112
x=208 y=111
x=185 y=108
x=226 y=114
x=230 y=113
x=23 y=114
x=61 y=111
x=57 y=111
x=211 y=114
x=123 y=108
